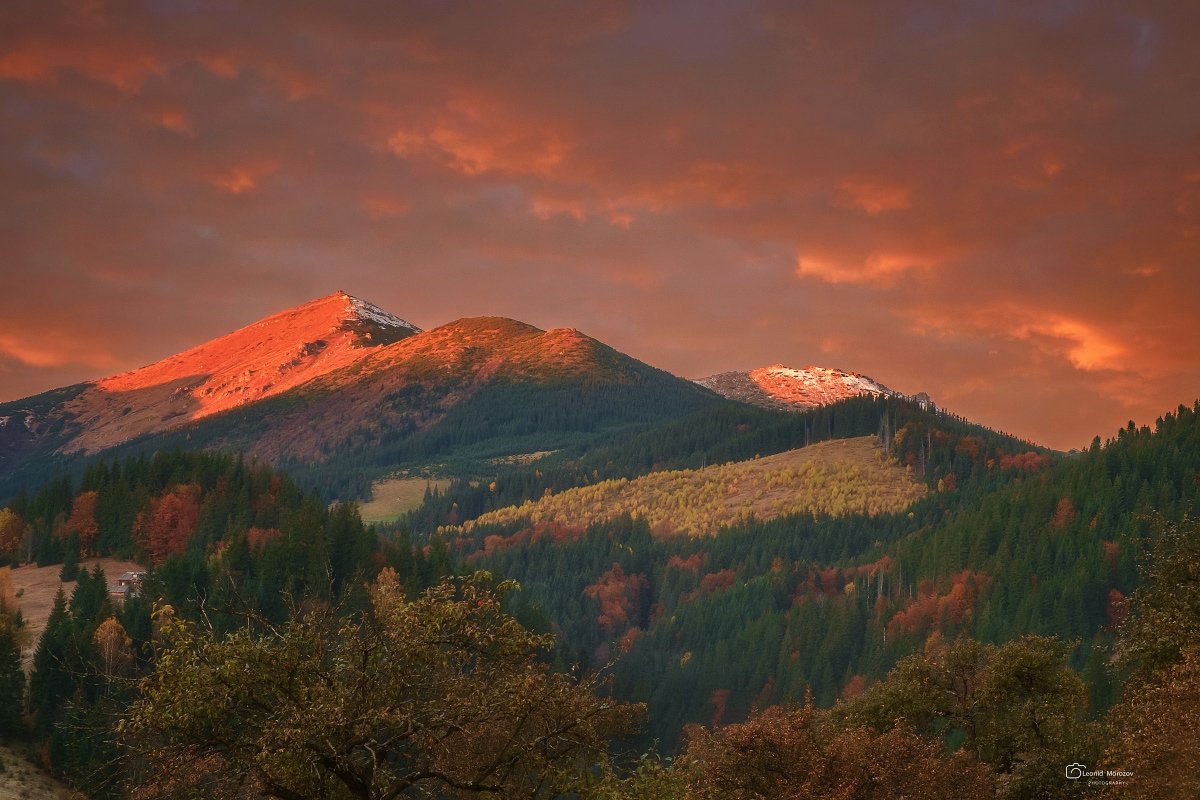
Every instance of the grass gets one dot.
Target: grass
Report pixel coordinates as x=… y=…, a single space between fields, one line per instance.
x=20 y=778
x=35 y=588
x=391 y=498
x=842 y=476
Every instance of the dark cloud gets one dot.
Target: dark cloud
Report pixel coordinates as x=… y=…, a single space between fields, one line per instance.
x=996 y=204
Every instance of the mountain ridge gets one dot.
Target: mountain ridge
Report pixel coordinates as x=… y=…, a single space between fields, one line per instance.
x=338 y=375
x=781 y=388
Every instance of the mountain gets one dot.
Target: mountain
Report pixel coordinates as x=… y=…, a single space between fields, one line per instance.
x=785 y=389
x=261 y=360
x=339 y=381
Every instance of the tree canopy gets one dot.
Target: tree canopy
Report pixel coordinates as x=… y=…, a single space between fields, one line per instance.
x=444 y=694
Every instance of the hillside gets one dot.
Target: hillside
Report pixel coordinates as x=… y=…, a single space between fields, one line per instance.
x=338 y=385
x=35 y=587
x=1009 y=540
x=844 y=476
x=258 y=361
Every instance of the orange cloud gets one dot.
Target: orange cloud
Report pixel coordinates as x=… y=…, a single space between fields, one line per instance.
x=45 y=354
x=124 y=68
x=245 y=178
x=881 y=268
x=1087 y=347
x=476 y=138
x=173 y=120
x=873 y=197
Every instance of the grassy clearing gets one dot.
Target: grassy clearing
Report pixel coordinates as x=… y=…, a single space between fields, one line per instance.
x=35 y=588
x=393 y=497
x=20 y=779
x=837 y=477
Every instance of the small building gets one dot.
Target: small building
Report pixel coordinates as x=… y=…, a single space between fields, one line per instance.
x=132 y=579
x=129 y=584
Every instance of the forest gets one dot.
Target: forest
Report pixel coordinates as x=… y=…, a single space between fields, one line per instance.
x=1028 y=611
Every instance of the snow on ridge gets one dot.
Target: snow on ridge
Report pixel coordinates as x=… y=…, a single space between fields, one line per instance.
x=778 y=386
x=370 y=312
x=822 y=377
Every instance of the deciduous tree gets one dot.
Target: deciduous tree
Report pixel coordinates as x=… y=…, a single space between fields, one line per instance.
x=444 y=695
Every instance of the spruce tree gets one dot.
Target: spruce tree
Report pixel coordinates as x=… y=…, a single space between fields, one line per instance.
x=12 y=678
x=50 y=683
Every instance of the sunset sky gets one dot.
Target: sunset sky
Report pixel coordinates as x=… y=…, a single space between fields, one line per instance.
x=996 y=203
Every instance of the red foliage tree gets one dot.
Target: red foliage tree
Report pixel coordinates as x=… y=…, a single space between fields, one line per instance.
x=1117 y=608
x=720 y=703
x=1064 y=514
x=620 y=596
x=689 y=564
x=164 y=527
x=257 y=537
x=82 y=522
x=854 y=687
x=1028 y=462
x=717 y=581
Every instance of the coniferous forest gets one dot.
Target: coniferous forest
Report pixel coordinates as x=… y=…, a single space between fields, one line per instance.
x=1030 y=610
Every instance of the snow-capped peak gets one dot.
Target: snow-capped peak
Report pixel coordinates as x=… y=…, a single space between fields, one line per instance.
x=369 y=312
x=813 y=386
x=778 y=386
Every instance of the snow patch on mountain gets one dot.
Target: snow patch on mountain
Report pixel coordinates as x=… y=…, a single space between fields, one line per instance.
x=369 y=312
x=781 y=387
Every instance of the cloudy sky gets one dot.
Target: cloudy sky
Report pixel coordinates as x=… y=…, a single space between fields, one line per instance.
x=996 y=203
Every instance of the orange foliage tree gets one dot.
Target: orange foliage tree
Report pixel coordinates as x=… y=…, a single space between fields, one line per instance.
x=82 y=522
x=620 y=596
x=12 y=532
x=164 y=527
x=797 y=752
x=114 y=647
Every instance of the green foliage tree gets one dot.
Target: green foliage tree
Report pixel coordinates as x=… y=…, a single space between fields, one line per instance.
x=50 y=681
x=12 y=677
x=443 y=695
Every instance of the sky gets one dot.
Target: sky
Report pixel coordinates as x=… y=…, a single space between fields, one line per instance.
x=994 y=203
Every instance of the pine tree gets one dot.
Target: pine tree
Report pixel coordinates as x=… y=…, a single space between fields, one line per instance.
x=12 y=678
x=51 y=680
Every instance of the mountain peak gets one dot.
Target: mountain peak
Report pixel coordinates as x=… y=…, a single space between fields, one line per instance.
x=787 y=388
x=262 y=359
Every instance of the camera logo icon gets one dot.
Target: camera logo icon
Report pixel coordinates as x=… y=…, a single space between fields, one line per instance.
x=1075 y=771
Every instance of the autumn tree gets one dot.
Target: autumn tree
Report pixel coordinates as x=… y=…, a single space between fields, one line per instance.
x=113 y=649
x=442 y=695
x=82 y=522
x=1018 y=707
x=12 y=533
x=1154 y=726
x=166 y=525
x=801 y=753
x=621 y=598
